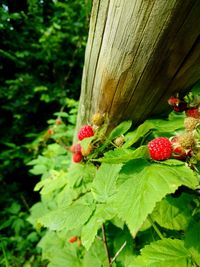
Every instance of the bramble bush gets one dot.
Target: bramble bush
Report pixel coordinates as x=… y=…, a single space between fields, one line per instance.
x=42 y=51
x=117 y=206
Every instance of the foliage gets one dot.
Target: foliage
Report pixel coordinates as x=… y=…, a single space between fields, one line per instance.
x=123 y=208
x=18 y=238
x=41 y=58
x=42 y=50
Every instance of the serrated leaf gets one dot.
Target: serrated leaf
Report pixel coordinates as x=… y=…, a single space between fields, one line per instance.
x=69 y=218
x=132 y=137
x=163 y=253
x=122 y=128
x=121 y=155
x=39 y=169
x=169 y=213
x=145 y=186
x=55 y=182
x=81 y=172
x=104 y=184
x=58 y=251
x=37 y=210
x=102 y=213
x=192 y=243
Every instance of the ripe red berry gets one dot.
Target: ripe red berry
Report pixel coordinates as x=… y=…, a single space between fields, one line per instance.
x=193 y=112
x=173 y=101
x=77 y=157
x=85 y=131
x=73 y=239
x=160 y=148
x=182 y=106
x=75 y=148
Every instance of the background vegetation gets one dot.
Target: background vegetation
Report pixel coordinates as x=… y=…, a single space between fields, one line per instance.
x=41 y=59
x=110 y=208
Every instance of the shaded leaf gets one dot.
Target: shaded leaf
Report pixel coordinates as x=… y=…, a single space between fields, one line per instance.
x=132 y=137
x=122 y=128
x=174 y=213
x=192 y=241
x=163 y=253
x=102 y=213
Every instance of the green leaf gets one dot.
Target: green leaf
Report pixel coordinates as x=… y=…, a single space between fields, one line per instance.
x=120 y=155
x=146 y=184
x=86 y=141
x=14 y=208
x=163 y=253
x=58 y=251
x=67 y=218
x=54 y=183
x=169 y=213
x=61 y=114
x=102 y=213
x=168 y=126
x=122 y=128
x=172 y=162
x=95 y=256
x=192 y=241
x=37 y=210
x=104 y=184
x=132 y=137
x=39 y=169
x=40 y=88
x=79 y=173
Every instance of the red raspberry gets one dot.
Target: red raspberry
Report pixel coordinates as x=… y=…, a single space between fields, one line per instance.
x=193 y=112
x=73 y=239
x=160 y=148
x=182 y=106
x=85 y=131
x=77 y=157
x=173 y=101
x=75 y=148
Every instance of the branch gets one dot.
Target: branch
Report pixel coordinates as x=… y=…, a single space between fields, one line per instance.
x=118 y=252
x=106 y=246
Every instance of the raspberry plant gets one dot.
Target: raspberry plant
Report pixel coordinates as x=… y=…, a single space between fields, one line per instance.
x=118 y=206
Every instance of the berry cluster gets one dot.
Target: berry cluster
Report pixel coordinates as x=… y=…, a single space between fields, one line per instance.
x=183 y=146
x=78 y=152
x=88 y=131
x=189 y=105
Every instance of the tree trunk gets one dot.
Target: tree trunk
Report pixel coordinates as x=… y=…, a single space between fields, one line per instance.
x=139 y=53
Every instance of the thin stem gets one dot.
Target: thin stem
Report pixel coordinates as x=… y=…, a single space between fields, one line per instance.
x=25 y=202
x=5 y=257
x=155 y=228
x=106 y=245
x=118 y=252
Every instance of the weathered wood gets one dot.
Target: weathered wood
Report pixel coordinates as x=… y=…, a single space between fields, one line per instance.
x=139 y=52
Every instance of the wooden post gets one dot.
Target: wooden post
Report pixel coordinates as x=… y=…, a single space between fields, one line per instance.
x=139 y=52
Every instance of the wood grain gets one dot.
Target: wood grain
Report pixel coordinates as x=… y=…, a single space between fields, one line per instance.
x=139 y=52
